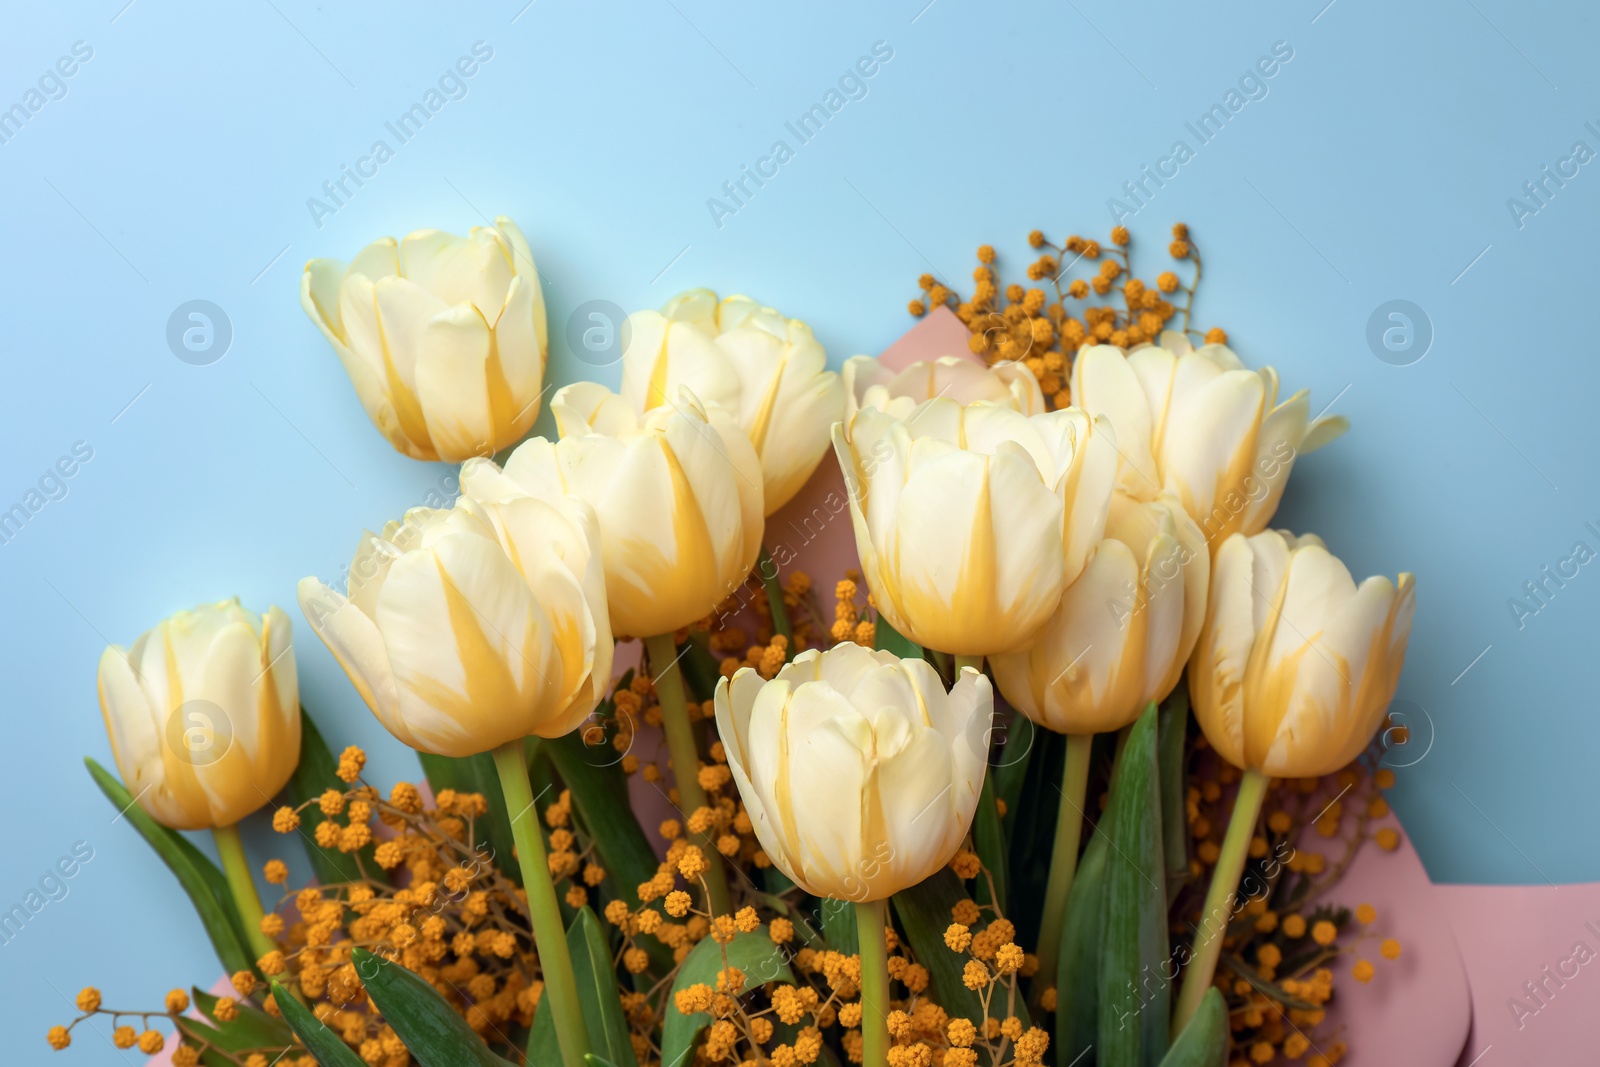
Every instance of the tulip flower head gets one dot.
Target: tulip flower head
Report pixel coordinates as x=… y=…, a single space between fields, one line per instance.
x=1197 y=423
x=869 y=383
x=678 y=495
x=971 y=520
x=1124 y=629
x=468 y=627
x=766 y=371
x=443 y=337
x=1296 y=664
x=858 y=771
x=203 y=714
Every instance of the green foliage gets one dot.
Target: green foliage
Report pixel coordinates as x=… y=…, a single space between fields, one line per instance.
x=328 y=1047
x=434 y=1032
x=598 y=995
x=1135 y=969
x=1204 y=1042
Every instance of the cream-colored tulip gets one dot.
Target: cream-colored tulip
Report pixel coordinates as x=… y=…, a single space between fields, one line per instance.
x=858 y=770
x=971 y=520
x=1296 y=664
x=1124 y=629
x=868 y=383
x=203 y=712
x=766 y=371
x=1200 y=425
x=677 y=493
x=472 y=626
x=444 y=337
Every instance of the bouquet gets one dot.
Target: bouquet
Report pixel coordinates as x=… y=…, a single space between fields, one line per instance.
x=1037 y=786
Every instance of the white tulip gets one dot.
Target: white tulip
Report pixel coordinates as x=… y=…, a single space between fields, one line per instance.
x=203 y=713
x=766 y=371
x=1296 y=664
x=859 y=772
x=1200 y=425
x=444 y=338
x=971 y=520
x=1124 y=629
x=473 y=626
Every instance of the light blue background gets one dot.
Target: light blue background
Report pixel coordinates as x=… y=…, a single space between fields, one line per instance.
x=1378 y=167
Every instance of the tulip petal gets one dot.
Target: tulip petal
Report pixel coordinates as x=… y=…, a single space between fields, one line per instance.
x=463 y=393
x=356 y=644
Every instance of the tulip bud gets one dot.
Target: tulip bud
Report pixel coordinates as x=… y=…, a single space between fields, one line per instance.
x=1200 y=425
x=677 y=494
x=473 y=626
x=1296 y=664
x=203 y=713
x=767 y=372
x=444 y=338
x=859 y=772
x=868 y=383
x=970 y=521
x=1124 y=629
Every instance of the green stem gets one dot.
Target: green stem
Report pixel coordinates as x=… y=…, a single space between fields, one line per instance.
x=1218 y=908
x=685 y=760
x=874 y=983
x=975 y=662
x=1064 y=856
x=769 y=579
x=549 y=933
x=243 y=886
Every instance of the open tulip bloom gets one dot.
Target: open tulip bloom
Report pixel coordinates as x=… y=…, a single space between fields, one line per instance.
x=443 y=337
x=861 y=776
x=766 y=371
x=468 y=629
x=970 y=520
x=1293 y=673
x=1199 y=424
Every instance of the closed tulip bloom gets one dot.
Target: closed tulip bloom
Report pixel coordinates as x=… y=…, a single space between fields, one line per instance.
x=444 y=337
x=203 y=713
x=868 y=383
x=1124 y=629
x=677 y=493
x=472 y=626
x=859 y=772
x=1296 y=664
x=1199 y=424
x=971 y=520
x=766 y=371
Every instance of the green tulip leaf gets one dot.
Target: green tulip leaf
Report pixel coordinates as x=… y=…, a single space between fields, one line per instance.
x=1172 y=731
x=838 y=921
x=1009 y=769
x=435 y=1032
x=199 y=877
x=1134 y=981
x=328 y=1047
x=888 y=639
x=1204 y=1042
x=598 y=996
x=754 y=953
x=1033 y=832
x=477 y=774
x=315 y=774
x=251 y=1028
x=701 y=670
x=1078 y=969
